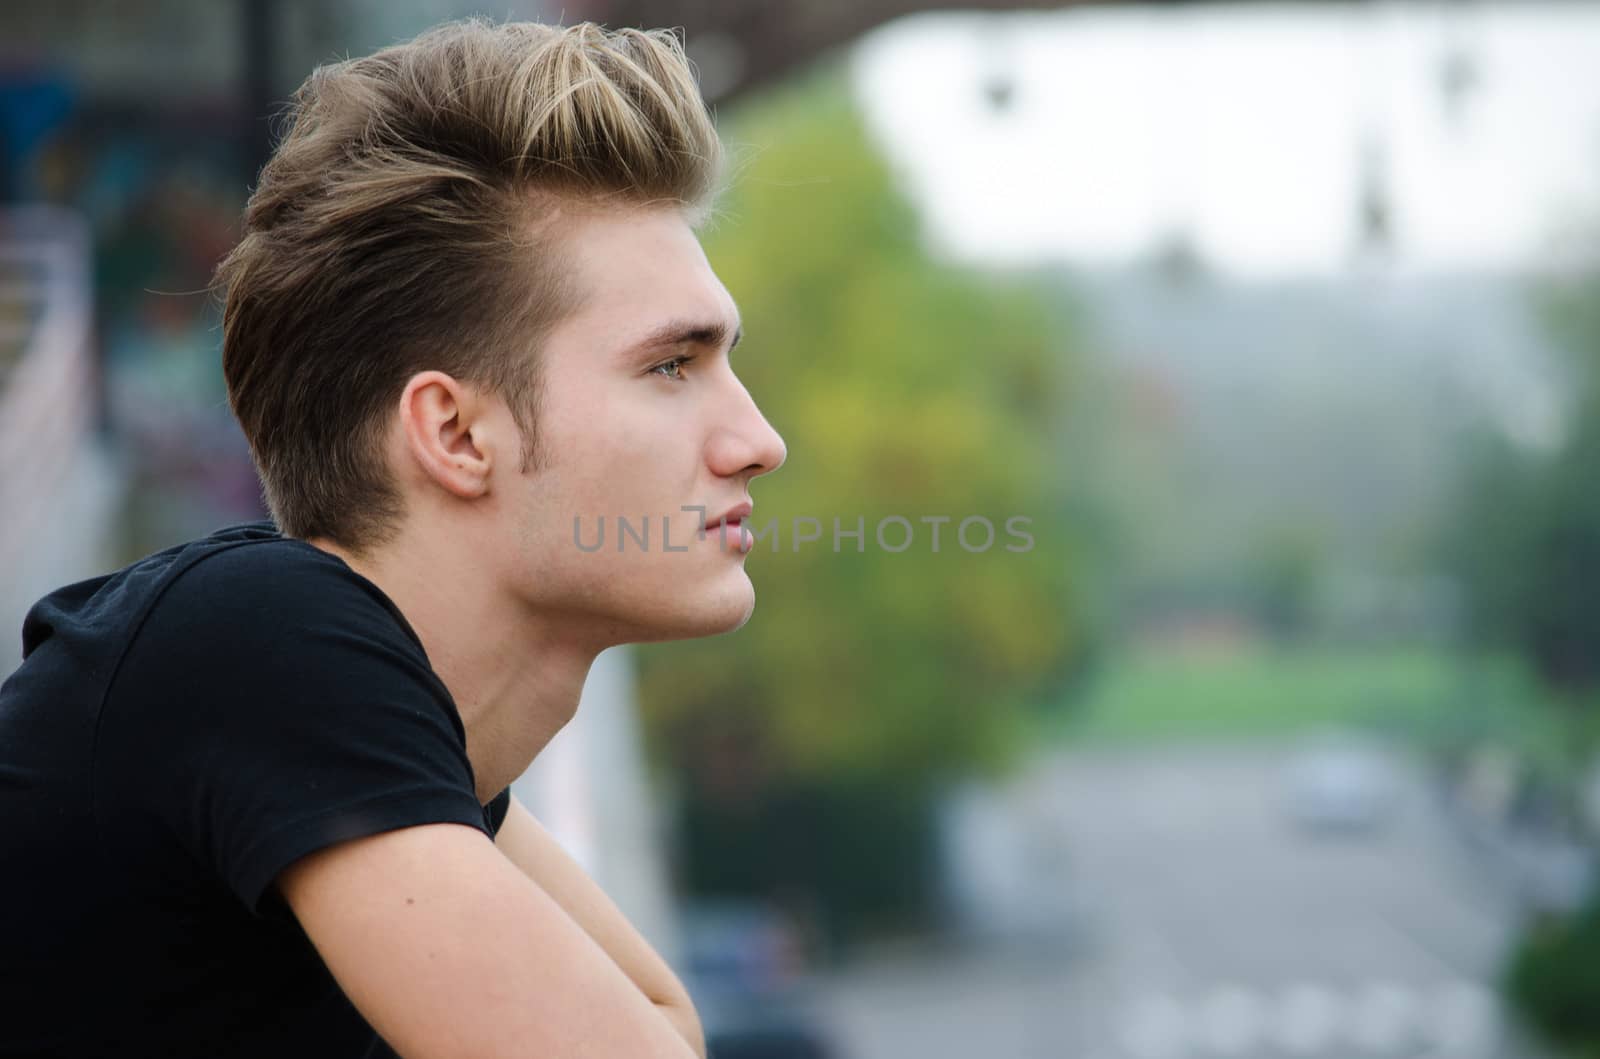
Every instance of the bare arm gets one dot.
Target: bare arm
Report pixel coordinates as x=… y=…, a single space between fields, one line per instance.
x=450 y=951
x=527 y=844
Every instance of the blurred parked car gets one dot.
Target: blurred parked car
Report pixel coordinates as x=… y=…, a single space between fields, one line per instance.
x=743 y=965
x=1339 y=783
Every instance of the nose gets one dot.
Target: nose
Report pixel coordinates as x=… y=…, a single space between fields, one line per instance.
x=744 y=442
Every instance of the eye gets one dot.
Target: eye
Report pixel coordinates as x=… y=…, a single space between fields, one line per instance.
x=671 y=369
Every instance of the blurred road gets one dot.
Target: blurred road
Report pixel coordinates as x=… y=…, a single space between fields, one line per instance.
x=1201 y=922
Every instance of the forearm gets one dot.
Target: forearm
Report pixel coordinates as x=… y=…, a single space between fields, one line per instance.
x=525 y=842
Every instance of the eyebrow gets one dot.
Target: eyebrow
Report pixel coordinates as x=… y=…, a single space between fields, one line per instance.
x=678 y=332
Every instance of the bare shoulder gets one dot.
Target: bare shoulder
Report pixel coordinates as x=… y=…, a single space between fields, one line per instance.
x=448 y=949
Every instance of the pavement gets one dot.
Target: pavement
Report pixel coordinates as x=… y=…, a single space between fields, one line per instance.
x=1195 y=918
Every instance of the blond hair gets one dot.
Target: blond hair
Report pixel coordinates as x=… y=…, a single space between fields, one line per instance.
x=399 y=227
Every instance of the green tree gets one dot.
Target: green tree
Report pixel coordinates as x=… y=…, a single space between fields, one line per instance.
x=1526 y=533
x=906 y=388
x=1525 y=543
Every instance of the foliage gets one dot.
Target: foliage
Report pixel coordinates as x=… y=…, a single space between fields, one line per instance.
x=1525 y=544
x=1526 y=530
x=1551 y=978
x=839 y=858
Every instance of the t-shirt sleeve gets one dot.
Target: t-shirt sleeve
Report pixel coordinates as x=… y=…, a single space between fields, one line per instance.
x=497 y=809
x=273 y=704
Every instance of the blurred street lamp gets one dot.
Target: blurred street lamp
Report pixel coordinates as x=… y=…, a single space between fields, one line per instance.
x=1460 y=73
x=1375 y=207
x=997 y=82
x=997 y=91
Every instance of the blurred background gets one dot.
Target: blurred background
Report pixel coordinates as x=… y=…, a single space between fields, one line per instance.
x=1280 y=321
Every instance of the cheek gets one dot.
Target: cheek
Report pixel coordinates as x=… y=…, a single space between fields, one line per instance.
x=613 y=460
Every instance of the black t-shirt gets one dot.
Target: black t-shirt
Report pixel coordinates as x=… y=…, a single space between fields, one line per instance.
x=177 y=734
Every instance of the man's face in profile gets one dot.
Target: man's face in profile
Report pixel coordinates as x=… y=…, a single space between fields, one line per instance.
x=641 y=416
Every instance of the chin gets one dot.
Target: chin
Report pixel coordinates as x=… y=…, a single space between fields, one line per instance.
x=724 y=612
x=730 y=614
x=674 y=610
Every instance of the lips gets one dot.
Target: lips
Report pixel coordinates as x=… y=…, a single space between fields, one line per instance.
x=731 y=517
x=728 y=529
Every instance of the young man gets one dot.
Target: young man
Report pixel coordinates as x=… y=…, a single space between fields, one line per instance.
x=253 y=790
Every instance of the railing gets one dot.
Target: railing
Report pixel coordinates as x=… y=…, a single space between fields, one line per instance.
x=48 y=456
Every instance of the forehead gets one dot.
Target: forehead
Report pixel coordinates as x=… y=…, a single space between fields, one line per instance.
x=637 y=269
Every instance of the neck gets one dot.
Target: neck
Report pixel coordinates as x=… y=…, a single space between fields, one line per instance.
x=515 y=675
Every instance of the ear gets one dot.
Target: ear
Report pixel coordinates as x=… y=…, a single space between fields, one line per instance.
x=445 y=432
